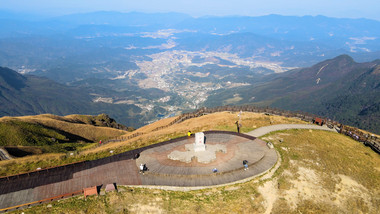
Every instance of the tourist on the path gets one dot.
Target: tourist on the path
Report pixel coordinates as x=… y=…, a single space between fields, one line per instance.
x=245 y=164
x=189 y=133
x=137 y=155
x=143 y=168
x=215 y=170
x=238 y=125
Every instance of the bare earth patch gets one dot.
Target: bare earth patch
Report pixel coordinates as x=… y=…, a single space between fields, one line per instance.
x=270 y=193
x=350 y=188
x=307 y=186
x=146 y=208
x=319 y=175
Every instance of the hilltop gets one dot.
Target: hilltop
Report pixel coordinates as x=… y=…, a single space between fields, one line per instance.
x=28 y=135
x=319 y=171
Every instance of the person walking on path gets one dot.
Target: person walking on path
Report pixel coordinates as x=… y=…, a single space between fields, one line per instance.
x=245 y=164
x=238 y=125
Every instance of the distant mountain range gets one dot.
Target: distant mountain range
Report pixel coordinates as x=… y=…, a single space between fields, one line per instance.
x=140 y=67
x=31 y=95
x=290 y=40
x=339 y=88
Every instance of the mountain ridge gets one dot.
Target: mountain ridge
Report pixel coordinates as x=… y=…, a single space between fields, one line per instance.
x=339 y=88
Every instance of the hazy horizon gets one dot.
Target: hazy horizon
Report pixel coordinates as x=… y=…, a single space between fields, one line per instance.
x=338 y=9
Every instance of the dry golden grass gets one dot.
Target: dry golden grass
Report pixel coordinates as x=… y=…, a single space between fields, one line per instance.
x=69 y=125
x=217 y=121
x=29 y=163
x=155 y=125
x=66 y=124
x=136 y=200
x=325 y=172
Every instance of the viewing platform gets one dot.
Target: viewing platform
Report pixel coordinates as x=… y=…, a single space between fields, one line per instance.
x=231 y=149
x=164 y=171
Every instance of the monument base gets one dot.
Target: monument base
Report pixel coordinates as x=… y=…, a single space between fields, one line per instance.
x=205 y=157
x=199 y=148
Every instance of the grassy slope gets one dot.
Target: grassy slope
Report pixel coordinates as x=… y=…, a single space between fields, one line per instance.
x=320 y=172
x=98 y=120
x=68 y=124
x=51 y=133
x=325 y=172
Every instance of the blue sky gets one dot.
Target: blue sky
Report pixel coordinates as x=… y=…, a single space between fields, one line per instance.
x=333 y=8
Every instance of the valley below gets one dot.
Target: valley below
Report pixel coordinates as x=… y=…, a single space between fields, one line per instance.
x=138 y=69
x=190 y=76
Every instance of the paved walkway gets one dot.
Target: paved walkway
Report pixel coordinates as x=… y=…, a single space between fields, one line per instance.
x=38 y=185
x=267 y=129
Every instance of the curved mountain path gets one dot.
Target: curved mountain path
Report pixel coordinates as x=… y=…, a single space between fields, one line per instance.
x=267 y=129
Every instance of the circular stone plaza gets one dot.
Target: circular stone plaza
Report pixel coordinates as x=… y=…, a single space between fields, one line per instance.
x=181 y=164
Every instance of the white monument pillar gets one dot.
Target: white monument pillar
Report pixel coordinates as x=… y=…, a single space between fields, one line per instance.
x=199 y=144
